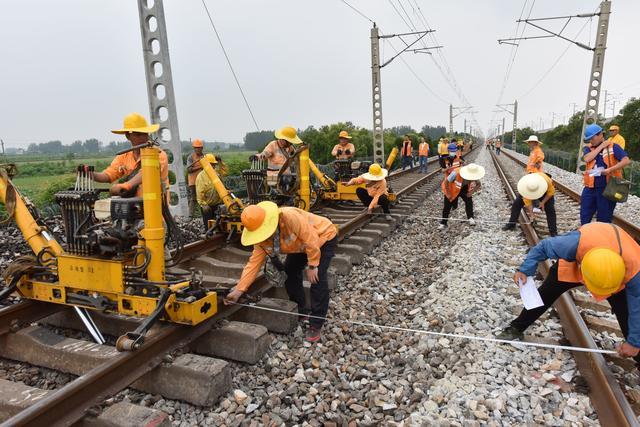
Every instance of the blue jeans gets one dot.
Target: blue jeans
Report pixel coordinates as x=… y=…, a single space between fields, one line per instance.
x=407 y=162
x=423 y=163
x=593 y=202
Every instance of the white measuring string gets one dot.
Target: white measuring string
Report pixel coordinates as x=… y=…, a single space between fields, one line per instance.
x=440 y=334
x=418 y=216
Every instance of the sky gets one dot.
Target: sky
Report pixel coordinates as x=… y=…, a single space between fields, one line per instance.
x=72 y=69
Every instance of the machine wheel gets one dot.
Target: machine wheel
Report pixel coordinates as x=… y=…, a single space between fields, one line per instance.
x=124 y=343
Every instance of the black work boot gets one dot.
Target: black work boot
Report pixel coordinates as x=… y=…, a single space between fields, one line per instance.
x=509 y=226
x=510 y=333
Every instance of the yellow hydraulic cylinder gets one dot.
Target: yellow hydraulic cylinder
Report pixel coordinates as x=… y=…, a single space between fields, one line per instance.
x=234 y=205
x=305 y=189
x=325 y=180
x=392 y=157
x=153 y=231
x=37 y=237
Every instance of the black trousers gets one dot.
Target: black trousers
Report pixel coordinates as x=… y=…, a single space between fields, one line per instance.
x=207 y=214
x=443 y=160
x=294 y=265
x=366 y=199
x=549 y=209
x=550 y=291
x=193 y=202
x=449 y=206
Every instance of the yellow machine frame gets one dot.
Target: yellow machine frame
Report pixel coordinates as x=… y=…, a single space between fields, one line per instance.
x=234 y=205
x=81 y=277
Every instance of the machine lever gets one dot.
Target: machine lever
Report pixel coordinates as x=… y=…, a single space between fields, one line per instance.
x=83 y=314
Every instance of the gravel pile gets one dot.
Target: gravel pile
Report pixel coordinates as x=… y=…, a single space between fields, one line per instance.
x=628 y=210
x=455 y=281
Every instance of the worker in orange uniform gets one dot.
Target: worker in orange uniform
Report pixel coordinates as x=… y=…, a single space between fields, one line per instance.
x=461 y=183
x=126 y=167
x=423 y=153
x=279 y=151
x=344 y=149
x=375 y=192
x=407 y=153
x=309 y=240
x=603 y=161
x=454 y=158
x=498 y=147
x=615 y=137
x=603 y=258
x=536 y=155
x=193 y=168
x=535 y=186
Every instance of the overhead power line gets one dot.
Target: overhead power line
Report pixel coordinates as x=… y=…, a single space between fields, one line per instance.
x=235 y=77
x=357 y=11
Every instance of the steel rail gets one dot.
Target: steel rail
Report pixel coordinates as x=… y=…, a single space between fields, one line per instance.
x=25 y=312
x=607 y=396
x=632 y=229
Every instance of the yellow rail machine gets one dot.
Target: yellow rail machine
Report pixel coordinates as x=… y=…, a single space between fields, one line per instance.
x=113 y=258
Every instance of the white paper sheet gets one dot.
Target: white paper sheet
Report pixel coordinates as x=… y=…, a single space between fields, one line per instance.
x=595 y=171
x=529 y=293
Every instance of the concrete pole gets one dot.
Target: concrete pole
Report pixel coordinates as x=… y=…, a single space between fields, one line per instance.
x=376 y=85
x=503 y=130
x=450 y=120
x=595 y=78
x=515 y=125
x=162 y=102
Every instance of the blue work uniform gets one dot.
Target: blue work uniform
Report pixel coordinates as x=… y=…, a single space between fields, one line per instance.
x=592 y=201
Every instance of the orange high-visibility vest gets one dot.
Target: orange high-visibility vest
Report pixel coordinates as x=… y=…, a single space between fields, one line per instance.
x=452 y=189
x=609 y=160
x=406 y=148
x=423 y=149
x=602 y=235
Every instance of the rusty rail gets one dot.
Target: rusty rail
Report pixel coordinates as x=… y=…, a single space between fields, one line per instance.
x=607 y=397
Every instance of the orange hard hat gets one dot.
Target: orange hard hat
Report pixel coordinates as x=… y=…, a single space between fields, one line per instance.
x=260 y=222
x=197 y=143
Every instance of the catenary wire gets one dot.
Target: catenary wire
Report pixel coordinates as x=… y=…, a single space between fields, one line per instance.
x=235 y=77
x=357 y=11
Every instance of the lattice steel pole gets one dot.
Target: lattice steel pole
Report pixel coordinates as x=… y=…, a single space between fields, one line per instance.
x=376 y=86
x=595 y=78
x=162 y=102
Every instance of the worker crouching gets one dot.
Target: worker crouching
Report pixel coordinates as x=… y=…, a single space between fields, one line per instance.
x=535 y=186
x=600 y=256
x=375 y=192
x=308 y=239
x=461 y=183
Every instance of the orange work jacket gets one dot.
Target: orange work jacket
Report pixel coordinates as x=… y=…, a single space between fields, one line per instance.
x=423 y=149
x=609 y=160
x=406 y=149
x=602 y=235
x=536 y=160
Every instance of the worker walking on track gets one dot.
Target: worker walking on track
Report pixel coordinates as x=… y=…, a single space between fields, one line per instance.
x=375 y=192
x=407 y=153
x=615 y=137
x=498 y=146
x=309 y=240
x=279 y=151
x=206 y=195
x=344 y=149
x=535 y=186
x=423 y=153
x=461 y=183
x=536 y=155
x=600 y=256
x=603 y=161
x=126 y=167
x=193 y=168
x=443 y=152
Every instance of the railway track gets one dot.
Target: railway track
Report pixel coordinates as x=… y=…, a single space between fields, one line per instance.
x=103 y=372
x=606 y=393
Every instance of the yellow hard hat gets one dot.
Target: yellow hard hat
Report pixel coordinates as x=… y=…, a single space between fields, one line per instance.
x=197 y=143
x=135 y=122
x=288 y=134
x=344 y=134
x=603 y=271
x=376 y=173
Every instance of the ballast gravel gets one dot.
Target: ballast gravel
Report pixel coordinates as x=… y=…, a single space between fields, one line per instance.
x=454 y=281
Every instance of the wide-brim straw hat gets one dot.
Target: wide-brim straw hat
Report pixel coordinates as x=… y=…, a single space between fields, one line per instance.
x=289 y=134
x=260 y=222
x=532 y=186
x=472 y=172
x=344 y=134
x=533 y=138
x=376 y=177
x=135 y=122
